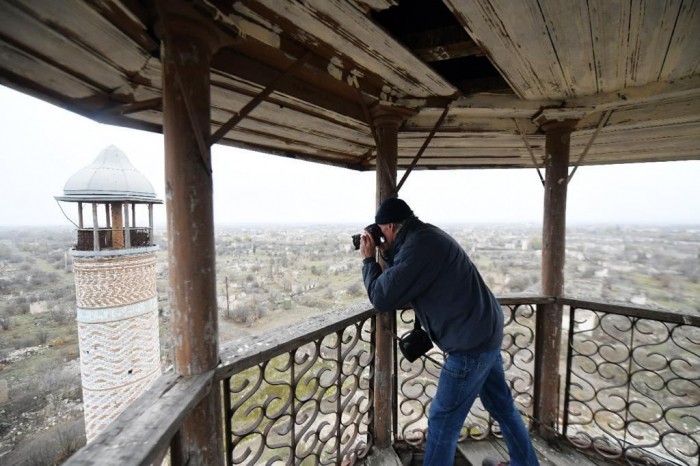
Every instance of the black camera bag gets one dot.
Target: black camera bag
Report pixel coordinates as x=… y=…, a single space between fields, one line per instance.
x=416 y=343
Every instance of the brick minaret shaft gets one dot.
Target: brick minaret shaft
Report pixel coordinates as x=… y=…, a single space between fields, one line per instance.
x=117 y=313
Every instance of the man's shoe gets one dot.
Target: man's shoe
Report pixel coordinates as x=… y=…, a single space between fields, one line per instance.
x=494 y=462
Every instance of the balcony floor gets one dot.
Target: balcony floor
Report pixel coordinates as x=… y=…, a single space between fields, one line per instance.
x=471 y=453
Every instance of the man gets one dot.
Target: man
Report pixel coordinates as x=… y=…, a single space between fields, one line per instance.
x=428 y=270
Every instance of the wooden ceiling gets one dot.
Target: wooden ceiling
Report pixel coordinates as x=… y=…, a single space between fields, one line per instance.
x=629 y=69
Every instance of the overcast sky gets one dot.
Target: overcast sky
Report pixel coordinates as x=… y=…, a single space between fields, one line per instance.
x=41 y=146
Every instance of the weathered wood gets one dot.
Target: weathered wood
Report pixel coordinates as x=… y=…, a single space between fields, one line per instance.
x=423 y=146
x=557 y=452
x=311 y=90
x=386 y=121
x=468 y=141
x=641 y=59
x=343 y=29
x=249 y=351
x=255 y=101
x=643 y=95
x=511 y=299
x=650 y=30
x=64 y=54
x=44 y=78
x=647 y=312
x=516 y=38
x=568 y=27
x=683 y=54
x=307 y=131
x=143 y=431
x=187 y=48
x=611 y=47
x=549 y=316
x=440 y=44
x=80 y=23
x=476 y=451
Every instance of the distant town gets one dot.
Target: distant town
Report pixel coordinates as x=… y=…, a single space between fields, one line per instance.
x=271 y=276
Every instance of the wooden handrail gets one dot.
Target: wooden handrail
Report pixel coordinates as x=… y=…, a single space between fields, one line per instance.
x=142 y=433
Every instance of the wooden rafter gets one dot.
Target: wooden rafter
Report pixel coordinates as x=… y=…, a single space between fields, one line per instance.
x=250 y=106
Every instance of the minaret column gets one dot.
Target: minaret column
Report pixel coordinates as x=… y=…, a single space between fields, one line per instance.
x=116 y=294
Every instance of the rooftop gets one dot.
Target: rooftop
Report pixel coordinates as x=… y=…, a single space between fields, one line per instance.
x=111 y=177
x=300 y=79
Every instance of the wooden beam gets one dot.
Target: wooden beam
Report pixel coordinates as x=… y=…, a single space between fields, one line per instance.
x=338 y=28
x=648 y=94
x=529 y=149
x=142 y=433
x=602 y=123
x=422 y=149
x=441 y=44
x=150 y=104
x=250 y=106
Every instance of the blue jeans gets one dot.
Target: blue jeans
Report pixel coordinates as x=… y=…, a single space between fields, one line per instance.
x=461 y=380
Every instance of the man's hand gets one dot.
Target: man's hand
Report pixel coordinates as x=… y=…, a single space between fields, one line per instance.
x=367 y=246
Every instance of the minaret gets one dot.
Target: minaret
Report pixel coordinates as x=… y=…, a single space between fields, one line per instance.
x=114 y=263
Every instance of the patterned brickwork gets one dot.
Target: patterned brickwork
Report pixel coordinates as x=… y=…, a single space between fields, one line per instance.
x=114 y=281
x=118 y=360
x=114 y=354
x=102 y=407
x=118 y=334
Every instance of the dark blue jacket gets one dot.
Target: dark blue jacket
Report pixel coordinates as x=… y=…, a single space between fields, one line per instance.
x=428 y=270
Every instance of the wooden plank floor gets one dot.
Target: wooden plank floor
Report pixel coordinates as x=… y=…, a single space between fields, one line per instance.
x=472 y=453
x=555 y=454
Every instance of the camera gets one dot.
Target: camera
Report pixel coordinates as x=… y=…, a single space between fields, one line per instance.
x=373 y=230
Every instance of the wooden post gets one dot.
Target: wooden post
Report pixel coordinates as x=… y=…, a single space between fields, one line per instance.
x=95 y=229
x=107 y=216
x=127 y=228
x=80 y=215
x=549 y=316
x=117 y=225
x=188 y=45
x=151 y=240
x=387 y=121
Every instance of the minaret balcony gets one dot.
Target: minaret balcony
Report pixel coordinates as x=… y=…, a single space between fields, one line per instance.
x=110 y=239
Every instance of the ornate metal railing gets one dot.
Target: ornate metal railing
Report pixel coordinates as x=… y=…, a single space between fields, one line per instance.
x=304 y=396
x=417 y=381
x=138 y=238
x=633 y=384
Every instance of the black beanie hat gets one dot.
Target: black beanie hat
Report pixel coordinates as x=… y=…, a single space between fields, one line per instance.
x=392 y=210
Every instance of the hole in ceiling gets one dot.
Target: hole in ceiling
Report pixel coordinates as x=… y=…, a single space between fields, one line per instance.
x=433 y=34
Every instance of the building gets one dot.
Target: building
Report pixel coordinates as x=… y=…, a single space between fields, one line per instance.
x=115 y=286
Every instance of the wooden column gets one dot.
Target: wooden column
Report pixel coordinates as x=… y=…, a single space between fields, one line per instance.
x=117 y=209
x=186 y=53
x=387 y=121
x=549 y=316
x=95 y=229
x=127 y=226
x=80 y=215
x=151 y=240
